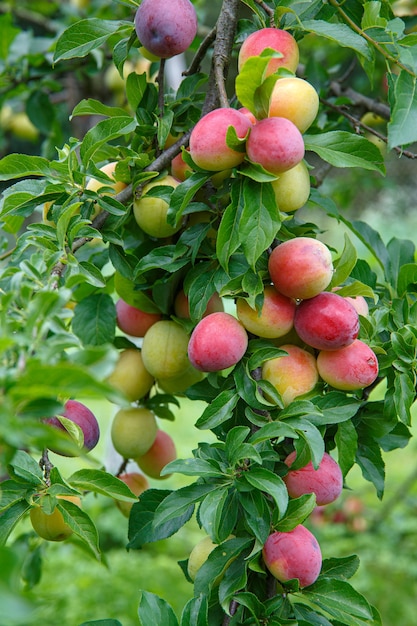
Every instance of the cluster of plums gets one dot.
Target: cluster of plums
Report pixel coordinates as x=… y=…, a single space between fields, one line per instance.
x=316 y=328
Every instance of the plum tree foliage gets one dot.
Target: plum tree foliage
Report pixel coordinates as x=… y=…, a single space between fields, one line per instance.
x=70 y=250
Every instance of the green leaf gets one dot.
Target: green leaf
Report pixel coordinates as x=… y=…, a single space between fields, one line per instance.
x=273 y=430
x=234 y=580
x=136 y=85
x=407 y=279
x=23 y=468
x=218 y=513
x=228 y=239
x=347 y=442
x=90 y=106
x=336 y=407
x=183 y=195
x=344 y=264
x=141 y=521
x=297 y=511
x=257 y=514
x=311 y=437
x=370 y=461
x=102 y=482
x=342 y=567
x=180 y=502
x=401 y=253
x=192 y=467
x=259 y=221
x=10 y=517
x=155 y=610
x=94 y=320
x=343 y=149
x=340 y=600
x=12 y=491
x=103 y=132
x=195 y=611
x=83 y=36
x=218 y=411
x=251 y=76
x=20 y=165
x=402 y=127
x=81 y=524
x=342 y=34
x=270 y=483
x=217 y=563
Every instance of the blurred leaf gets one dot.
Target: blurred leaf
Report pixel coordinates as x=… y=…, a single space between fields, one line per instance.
x=82 y=525
x=10 y=517
x=341 y=34
x=23 y=468
x=155 y=610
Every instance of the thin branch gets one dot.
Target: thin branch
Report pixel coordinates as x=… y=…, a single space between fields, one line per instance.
x=46 y=466
x=369 y=39
x=232 y=610
x=201 y=52
x=268 y=10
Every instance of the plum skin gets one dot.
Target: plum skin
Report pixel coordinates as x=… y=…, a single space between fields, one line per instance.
x=326 y=482
x=166 y=27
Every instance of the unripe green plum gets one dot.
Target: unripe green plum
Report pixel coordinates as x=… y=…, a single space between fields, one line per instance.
x=85 y=419
x=275 y=319
x=198 y=556
x=351 y=368
x=217 y=342
x=95 y=185
x=276 y=144
x=164 y=350
x=133 y=431
x=326 y=482
x=296 y=100
x=276 y=39
x=178 y=384
x=301 y=267
x=161 y=452
x=166 y=27
x=134 y=321
x=52 y=527
x=130 y=375
x=208 y=147
x=151 y=213
x=292 y=375
x=137 y=483
x=327 y=321
x=293 y=554
x=292 y=188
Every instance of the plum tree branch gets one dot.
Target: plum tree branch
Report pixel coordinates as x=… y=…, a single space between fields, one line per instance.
x=201 y=52
x=222 y=52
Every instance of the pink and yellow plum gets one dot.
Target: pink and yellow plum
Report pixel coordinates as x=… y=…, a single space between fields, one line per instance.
x=327 y=321
x=217 y=342
x=134 y=321
x=296 y=100
x=161 y=452
x=292 y=375
x=208 y=147
x=293 y=554
x=180 y=170
x=137 y=483
x=275 y=319
x=301 y=267
x=292 y=188
x=348 y=369
x=275 y=39
x=130 y=375
x=276 y=144
x=85 y=419
x=164 y=350
x=166 y=27
x=326 y=482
